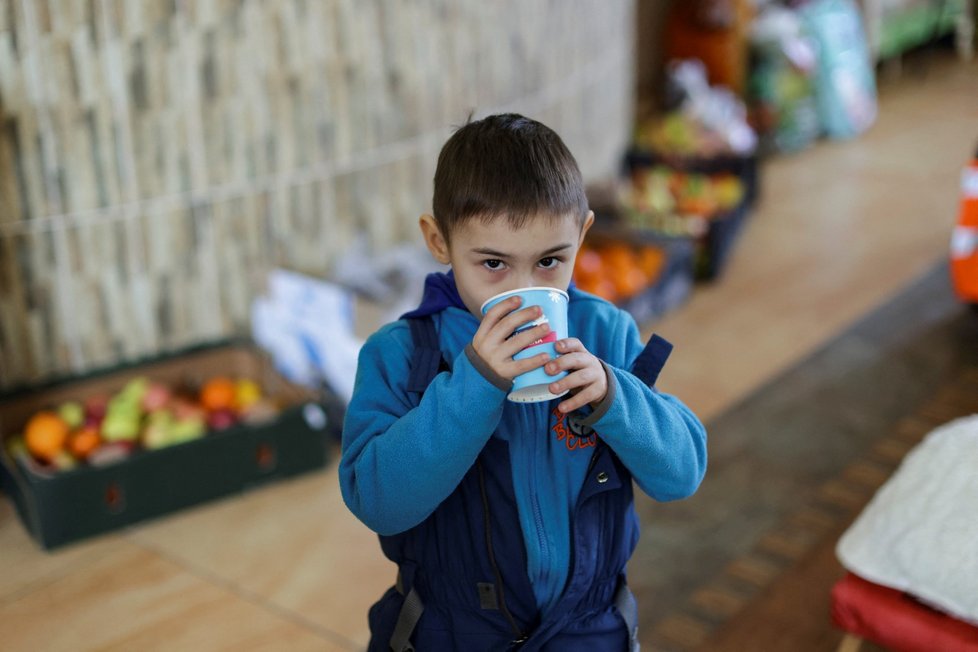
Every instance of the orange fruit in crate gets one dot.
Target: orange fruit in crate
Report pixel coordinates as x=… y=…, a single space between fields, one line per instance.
x=84 y=441
x=650 y=261
x=45 y=435
x=629 y=282
x=217 y=394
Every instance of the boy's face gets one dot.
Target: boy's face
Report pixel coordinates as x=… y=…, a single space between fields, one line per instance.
x=493 y=257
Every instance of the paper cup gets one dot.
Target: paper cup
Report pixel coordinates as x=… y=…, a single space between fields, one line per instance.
x=531 y=387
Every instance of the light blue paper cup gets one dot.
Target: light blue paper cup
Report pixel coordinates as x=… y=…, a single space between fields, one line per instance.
x=532 y=387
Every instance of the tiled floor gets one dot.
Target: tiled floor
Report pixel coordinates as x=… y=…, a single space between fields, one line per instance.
x=840 y=228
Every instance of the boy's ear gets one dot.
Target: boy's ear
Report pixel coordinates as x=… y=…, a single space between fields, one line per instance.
x=588 y=221
x=434 y=239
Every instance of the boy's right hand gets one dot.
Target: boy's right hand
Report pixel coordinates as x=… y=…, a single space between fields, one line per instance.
x=495 y=346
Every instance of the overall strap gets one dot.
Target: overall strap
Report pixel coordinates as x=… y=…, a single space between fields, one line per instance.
x=426 y=363
x=650 y=361
x=426 y=359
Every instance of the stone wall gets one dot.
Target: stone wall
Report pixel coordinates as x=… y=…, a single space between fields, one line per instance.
x=157 y=157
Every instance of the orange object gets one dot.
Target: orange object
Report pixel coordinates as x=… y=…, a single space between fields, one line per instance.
x=650 y=261
x=217 y=394
x=588 y=266
x=84 y=441
x=713 y=31
x=964 y=239
x=45 y=435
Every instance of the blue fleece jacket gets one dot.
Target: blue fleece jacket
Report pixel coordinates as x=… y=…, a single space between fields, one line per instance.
x=399 y=462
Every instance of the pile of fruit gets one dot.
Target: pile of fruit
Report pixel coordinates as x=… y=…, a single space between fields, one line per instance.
x=679 y=134
x=617 y=270
x=678 y=203
x=144 y=414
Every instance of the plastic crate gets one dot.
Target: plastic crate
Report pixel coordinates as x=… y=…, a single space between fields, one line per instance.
x=713 y=248
x=60 y=507
x=747 y=168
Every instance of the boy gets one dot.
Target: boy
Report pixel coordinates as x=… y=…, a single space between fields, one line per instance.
x=511 y=524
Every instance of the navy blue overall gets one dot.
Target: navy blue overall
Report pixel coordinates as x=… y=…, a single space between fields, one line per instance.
x=462 y=571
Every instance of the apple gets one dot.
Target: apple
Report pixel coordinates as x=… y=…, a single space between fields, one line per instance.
x=221 y=419
x=156 y=396
x=134 y=390
x=186 y=410
x=156 y=432
x=72 y=413
x=246 y=393
x=64 y=461
x=120 y=426
x=187 y=429
x=96 y=406
x=16 y=446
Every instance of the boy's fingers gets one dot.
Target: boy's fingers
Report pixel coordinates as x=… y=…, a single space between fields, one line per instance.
x=569 y=344
x=518 y=318
x=566 y=362
x=501 y=309
x=529 y=364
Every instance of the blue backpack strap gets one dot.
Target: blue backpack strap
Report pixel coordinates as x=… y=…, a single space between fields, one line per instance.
x=426 y=359
x=650 y=361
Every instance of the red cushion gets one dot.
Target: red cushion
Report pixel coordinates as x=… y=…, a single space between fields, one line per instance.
x=896 y=620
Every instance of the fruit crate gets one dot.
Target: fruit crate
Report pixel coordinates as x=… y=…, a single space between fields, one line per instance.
x=58 y=507
x=713 y=247
x=673 y=282
x=671 y=289
x=746 y=168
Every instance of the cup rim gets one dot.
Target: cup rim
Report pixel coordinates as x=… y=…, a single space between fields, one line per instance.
x=518 y=290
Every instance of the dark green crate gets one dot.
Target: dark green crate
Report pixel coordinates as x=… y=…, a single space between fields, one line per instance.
x=60 y=507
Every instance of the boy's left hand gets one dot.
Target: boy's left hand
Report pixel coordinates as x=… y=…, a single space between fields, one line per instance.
x=586 y=377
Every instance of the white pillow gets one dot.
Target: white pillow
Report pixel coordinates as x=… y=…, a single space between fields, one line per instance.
x=919 y=533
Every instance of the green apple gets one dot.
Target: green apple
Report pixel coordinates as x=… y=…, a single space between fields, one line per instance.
x=156 y=434
x=135 y=389
x=187 y=430
x=64 y=461
x=72 y=413
x=120 y=426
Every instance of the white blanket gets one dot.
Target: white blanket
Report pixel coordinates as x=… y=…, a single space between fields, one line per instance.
x=919 y=533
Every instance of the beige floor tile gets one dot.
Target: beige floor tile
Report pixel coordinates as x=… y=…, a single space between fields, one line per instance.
x=132 y=599
x=25 y=567
x=294 y=545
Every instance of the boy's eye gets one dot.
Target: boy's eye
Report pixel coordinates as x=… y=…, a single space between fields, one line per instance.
x=493 y=264
x=549 y=262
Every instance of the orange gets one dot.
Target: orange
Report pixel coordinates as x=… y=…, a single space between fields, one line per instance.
x=650 y=261
x=629 y=282
x=84 y=441
x=45 y=435
x=217 y=394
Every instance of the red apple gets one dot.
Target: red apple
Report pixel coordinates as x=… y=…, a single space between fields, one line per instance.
x=221 y=419
x=156 y=397
x=96 y=406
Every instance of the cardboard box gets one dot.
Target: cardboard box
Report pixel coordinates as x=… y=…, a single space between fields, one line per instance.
x=59 y=507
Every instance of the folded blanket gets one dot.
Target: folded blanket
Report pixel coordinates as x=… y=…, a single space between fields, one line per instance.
x=919 y=533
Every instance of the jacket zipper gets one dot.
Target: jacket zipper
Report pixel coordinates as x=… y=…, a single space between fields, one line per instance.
x=487 y=522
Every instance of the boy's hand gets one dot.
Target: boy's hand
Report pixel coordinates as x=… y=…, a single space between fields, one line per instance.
x=586 y=377
x=495 y=346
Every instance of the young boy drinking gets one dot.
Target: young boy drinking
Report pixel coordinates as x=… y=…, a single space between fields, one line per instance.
x=511 y=523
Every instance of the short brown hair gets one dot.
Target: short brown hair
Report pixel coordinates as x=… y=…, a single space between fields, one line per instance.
x=506 y=165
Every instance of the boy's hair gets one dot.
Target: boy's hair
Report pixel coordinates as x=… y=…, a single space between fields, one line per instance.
x=506 y=165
